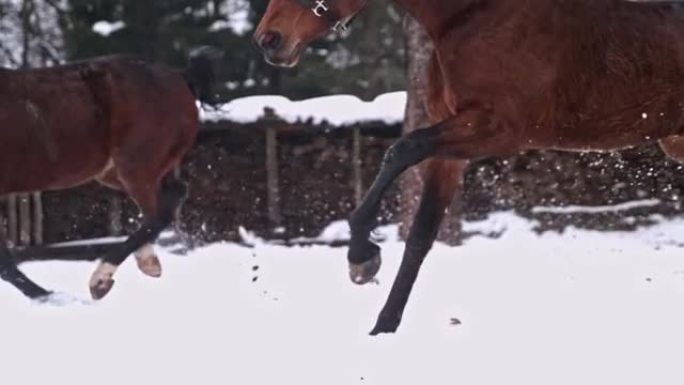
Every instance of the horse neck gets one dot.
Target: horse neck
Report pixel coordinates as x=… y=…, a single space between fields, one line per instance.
x=436 y=15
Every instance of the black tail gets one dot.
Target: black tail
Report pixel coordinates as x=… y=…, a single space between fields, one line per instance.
x=201 y=74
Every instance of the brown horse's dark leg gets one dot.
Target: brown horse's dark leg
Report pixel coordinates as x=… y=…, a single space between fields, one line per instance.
x=364 y=255
x=170 y=196
x=442 y=181
x=473 y=133
x=10 y=273
x=146 y=259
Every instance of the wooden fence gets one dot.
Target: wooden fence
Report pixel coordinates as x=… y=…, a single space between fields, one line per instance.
x=23 y=224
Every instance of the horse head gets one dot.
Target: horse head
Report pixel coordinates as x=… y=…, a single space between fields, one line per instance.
x=289 y=26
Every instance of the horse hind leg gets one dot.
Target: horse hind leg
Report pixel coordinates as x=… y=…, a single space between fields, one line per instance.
x=158 y=202
x=10 y=273
x=147 y=261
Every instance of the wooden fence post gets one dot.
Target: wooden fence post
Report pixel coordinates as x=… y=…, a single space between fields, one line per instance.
x=12 y=219
x=25 y=219
x=3 y=223
x=115 y=213
x=38 y=218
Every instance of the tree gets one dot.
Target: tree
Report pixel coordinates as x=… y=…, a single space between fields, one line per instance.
x=366 y=62
x=419 y=51
x=31 y=34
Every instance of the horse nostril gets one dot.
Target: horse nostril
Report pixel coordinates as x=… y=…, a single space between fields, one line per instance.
x=271 y=41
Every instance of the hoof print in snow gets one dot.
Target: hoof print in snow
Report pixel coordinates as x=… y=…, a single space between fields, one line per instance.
x=255 y=267
x=454 y=322
x=255 y=278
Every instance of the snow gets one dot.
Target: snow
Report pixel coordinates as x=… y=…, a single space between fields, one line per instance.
x=575 y=308
x=644 y=203
x=236 y=13
x=337 y=232
x=239 y=24
x=105 y=28
x=337 y=110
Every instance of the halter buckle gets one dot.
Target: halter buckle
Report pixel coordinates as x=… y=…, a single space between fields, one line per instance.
x=341 y=26
x=320 y=7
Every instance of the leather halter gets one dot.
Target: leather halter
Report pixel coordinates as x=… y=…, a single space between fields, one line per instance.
x=323 y=9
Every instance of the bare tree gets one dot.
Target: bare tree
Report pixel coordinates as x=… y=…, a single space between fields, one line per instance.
x=419 y=51
x=31 y=32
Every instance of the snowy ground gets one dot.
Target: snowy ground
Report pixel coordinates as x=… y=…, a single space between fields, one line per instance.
x=579 y=308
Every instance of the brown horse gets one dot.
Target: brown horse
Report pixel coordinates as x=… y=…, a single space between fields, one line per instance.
x=507 y=76
x=120 y=121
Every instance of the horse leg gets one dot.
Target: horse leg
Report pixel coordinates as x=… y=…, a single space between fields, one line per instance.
x=160 y=204
x=443 y=180
x=473 y=132
x=363 y=255
x=145 y=258
x=10 y=273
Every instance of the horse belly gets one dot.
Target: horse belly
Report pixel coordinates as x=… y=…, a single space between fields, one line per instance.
x=47 y=148
x=640 y=121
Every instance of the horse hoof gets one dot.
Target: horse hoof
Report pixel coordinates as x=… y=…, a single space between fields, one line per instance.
x=364 y=273
x=150 y=266
x=101 y=281
x=101 y=288
x=386 y=325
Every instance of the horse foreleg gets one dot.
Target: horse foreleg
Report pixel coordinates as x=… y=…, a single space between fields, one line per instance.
x=474 y=132
x=442 y=181
x=364 y=255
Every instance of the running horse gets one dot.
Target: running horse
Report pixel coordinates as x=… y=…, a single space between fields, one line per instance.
x=506 y=76
x=117 y=120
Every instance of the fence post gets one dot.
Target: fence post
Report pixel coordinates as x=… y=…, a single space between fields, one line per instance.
x=3 y=223
x=37 y=218
x=12 y=220
x=115 y=213
x=272 y=184
x=25 y=219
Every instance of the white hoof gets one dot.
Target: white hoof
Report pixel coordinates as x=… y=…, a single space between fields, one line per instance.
x=148 y=262
x=102 y=280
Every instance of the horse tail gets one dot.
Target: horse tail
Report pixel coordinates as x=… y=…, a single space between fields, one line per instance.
x=201 y=73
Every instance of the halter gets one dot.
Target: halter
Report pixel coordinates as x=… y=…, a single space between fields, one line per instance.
x=322 y=9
